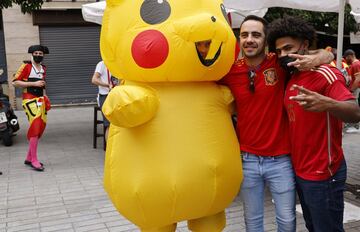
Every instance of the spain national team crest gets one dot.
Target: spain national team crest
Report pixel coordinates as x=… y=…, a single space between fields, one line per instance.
x=270 y=76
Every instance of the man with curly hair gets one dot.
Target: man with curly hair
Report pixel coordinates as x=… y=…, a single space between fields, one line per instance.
x=316 y=101
x=258 y=83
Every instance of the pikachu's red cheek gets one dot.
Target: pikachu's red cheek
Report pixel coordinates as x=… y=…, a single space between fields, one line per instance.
x=150 y=49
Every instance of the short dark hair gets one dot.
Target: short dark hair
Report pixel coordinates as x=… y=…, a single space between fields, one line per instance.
x=349 y=52
x=256 y=18
x=291 y=26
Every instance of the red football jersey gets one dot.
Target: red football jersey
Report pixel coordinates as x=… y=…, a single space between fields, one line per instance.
x=316 y=137
x=355 y=70
x=262 y=126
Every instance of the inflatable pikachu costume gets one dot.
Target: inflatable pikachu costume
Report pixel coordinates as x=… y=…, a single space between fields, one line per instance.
x=172 y=152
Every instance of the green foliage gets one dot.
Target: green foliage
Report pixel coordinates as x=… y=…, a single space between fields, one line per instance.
x=325 y=22
x=27 y=6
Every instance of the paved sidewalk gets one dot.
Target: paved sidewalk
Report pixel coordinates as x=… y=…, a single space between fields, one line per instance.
x=69 y=195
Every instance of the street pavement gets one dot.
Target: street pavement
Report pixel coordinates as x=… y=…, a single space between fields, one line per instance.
x=69 y=195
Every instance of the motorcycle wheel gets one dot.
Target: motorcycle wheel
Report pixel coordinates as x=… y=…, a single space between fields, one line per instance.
x=7 y=139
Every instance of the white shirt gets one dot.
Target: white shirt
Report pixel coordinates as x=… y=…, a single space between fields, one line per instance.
x=105 y=77
x=35 y=73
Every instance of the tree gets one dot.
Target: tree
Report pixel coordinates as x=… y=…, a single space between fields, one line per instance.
x=27 y=6
x=323 y=21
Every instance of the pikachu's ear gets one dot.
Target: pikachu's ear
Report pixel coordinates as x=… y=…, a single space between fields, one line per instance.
x=113 y=2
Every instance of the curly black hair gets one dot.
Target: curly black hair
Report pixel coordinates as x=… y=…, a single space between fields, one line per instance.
x=294 y=27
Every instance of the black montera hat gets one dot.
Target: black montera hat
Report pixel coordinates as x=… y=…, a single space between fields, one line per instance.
x=34 y=48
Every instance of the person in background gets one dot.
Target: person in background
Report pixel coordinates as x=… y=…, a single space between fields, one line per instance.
x=102 y=78
x=350 y=57
x=345 y=68
x=257 y=82
x=316 y=101
x=31 y=76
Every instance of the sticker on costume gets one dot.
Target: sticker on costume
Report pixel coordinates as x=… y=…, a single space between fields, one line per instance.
x=270 y=76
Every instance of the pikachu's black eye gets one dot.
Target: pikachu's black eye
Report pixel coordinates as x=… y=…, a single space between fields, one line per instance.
x=223 y=10
x=155 y=11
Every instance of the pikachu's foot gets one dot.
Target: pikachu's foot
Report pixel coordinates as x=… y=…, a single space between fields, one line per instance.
x=213 y=223
x=169 y=228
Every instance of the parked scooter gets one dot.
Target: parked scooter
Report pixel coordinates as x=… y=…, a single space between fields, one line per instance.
x=8 y=120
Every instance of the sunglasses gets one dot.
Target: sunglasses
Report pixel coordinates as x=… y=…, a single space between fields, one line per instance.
x=251 y=77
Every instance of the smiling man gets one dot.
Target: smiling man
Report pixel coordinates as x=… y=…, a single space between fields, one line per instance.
x=316 y=101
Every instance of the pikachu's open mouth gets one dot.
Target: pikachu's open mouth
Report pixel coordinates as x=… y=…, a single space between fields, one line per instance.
x=208 y=51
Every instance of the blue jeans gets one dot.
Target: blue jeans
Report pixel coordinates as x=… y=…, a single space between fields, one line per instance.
x=102 y=99
x=277 y=173
x=322 y=202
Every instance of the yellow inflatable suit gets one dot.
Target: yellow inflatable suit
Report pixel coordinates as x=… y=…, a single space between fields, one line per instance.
x=172 y=152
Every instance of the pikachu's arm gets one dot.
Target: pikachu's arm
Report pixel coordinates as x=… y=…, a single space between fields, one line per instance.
x=130 y=105
x=228 y=98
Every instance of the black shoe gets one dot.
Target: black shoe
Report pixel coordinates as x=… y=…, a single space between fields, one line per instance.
x=27 y=162
x=39 y=169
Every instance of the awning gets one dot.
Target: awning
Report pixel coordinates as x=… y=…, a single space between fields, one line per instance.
x=238 y=9
x=93 y=12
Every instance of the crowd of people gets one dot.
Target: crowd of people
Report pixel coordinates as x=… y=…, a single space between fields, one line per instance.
x=292 y=104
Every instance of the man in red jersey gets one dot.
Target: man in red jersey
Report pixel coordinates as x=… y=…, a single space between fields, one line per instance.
x=354 y=68
x=354 y=63
x=258 y=83
x=317 y=102
x=345 y=68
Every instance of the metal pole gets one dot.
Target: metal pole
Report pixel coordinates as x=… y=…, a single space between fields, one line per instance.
x=340 y=33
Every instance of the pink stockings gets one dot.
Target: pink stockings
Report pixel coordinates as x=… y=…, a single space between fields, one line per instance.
x=32 y=152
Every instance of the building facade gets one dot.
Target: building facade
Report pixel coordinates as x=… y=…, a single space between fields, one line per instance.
x=73 y=45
